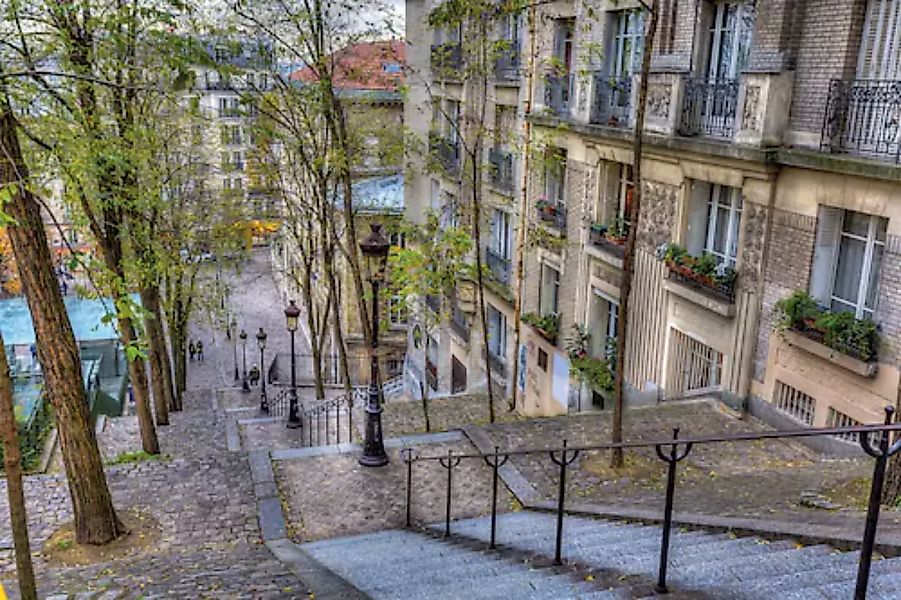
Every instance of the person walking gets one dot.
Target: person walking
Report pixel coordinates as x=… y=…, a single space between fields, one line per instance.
x=199 y=350
x=254 y=375
x=192 y=350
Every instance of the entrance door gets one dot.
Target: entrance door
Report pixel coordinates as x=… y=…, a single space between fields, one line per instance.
x=458 y=376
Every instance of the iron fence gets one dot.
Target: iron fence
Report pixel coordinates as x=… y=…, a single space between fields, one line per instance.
x=863 y=116
x=708 y=107
x=612 y=101
x=558 y=92
x=459 y=325
x=499 y=266
x=670 y=451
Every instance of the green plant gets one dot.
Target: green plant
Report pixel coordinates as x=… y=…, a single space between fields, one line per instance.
x=577 y=342
x=848 y=334
x=600 y=228
x=705 y=265
x=549 y=324
x=124 y=458
x=795 y=310
x=596 y=372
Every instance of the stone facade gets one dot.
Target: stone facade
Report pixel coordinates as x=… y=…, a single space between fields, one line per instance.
x=888 y=312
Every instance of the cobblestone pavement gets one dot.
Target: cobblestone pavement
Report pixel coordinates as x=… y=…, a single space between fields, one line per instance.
x=352 y=499
x=400 y=418
x=763 y=479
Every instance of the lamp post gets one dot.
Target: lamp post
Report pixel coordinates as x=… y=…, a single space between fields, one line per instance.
x=234 y=329
x=244 y=383
x=261 y=342
x=375 y=250
x=291 y=315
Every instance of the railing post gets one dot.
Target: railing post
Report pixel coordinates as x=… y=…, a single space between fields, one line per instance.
x=449 y=465
x=310 y=427
x=671 y=461
x=562 y=462
x=350 y=418
x=494 y=463
x=408 y=459
x=338 y=421
x=327 y=435
x=318 y=426
x=881 y=455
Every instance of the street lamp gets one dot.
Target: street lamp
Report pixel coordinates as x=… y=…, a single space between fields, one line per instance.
x=261 y=342
x=375 y=250
x=234 y=329
x=291 y=315
x=244 y=384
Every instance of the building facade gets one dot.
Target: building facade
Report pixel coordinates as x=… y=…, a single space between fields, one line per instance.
x=770 y=168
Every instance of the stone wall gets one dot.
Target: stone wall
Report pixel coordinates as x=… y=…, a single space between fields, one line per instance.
x=658 y=214
x=888 y=311
x=788 y=261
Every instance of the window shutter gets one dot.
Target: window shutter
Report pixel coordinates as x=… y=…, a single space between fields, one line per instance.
x=829 y=222
x=696 y=234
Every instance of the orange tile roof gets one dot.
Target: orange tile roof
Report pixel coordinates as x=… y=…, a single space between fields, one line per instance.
x=365 y=66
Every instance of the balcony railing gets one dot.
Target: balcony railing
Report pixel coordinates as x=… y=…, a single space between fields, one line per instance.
x=612 y=102
x=446 y=152
x=459 y=324
x=431 y=374
x=499 y=266
x=863 y=117
x=447 y=59
x=501 y=163
x=506 y=65
x=708 y=107
x=498 y=363
x=558 y=92
x=552 y=213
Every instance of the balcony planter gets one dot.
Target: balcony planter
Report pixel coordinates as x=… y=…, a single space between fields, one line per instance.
x=547 y=211
x=610 y=239
x=838 y=337
x=700 y=272
x=547 y=326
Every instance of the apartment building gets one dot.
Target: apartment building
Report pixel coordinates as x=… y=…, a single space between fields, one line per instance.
x=447 y=105
x=770 y=167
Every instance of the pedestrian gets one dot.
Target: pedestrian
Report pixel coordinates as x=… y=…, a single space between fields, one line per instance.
x=191 y=350
x=254 y=375
x=199 y=350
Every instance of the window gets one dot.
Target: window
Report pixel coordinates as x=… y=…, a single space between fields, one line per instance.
x=847 y=259
x=713 y=221
x=880 y=44
x=397 y=311
x=549 y=291
x=237 y=160
x=564 y=39
x=450 y=211
x=497 y=332
x=501 y=242
x=555 y=175
x=625 y=192
x=231 y=134
x=453 y=121
x=504 y=126
x=729 y=39
x=397 y=239
x=628 y=42
x=603 y=317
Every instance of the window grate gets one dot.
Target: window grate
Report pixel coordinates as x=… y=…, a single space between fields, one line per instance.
x=694 y=366
x=795 y=403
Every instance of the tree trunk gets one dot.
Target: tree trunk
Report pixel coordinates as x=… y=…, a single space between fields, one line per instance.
x=425 y=391
x=166 y=364
x=150 y=298
x=137 y=373
x=625 y=290
x=95 y=518
x=18 y=518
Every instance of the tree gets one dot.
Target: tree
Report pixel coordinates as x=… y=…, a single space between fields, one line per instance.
x=96 y=521
x=625 y=290
x=15 y=493
x=431 y=264
x=9 y=277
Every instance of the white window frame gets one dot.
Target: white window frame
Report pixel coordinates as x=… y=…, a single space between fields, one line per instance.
x=612 y=315
x=501 y=242
x=500 y=322
x=542 y=297
x=721 y=34
x=629 y=27
x=625 y=182
x=733 y=226
x=871 y=241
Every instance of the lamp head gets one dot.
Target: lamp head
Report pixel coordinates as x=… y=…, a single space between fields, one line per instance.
x=261 y=338
x=291 y=315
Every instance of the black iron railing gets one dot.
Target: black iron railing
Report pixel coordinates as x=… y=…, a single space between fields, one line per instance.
x=446 y=152
x=447 y=60
x=506 y=65
x=671 y=451
x=863 y=116
x=708 y=107
x=552 y=213
x=612 y=101
x=459 y=324
x=501 y=175
x=499 y=266
x=318 y=419
x=498 y=364
x=558 y=92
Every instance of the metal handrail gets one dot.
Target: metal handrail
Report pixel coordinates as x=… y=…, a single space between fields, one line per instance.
x=324 y=409
x=672 y=451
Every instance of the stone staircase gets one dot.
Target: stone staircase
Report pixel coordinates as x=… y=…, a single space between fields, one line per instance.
x=603 y=559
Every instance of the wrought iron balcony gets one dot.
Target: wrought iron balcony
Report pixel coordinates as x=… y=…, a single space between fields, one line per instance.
x=708 y=107
x=558 y=92
x=612 y=101
x=552 y=213
x=446 y=152
x=459 y=324
x=499 y=266
x=863 y=117
x=507 y=65
x=501 y=175
x=498 y=363
x=447 y=60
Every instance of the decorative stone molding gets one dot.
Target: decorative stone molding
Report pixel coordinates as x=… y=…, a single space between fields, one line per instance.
x=794 y=220
x=754 y=223
x=750 y=120
x=659 y=98
x=658 y=213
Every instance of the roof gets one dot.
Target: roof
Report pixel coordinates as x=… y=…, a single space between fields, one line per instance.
x=86 y=317
x=384 y=194
x=374 y=66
